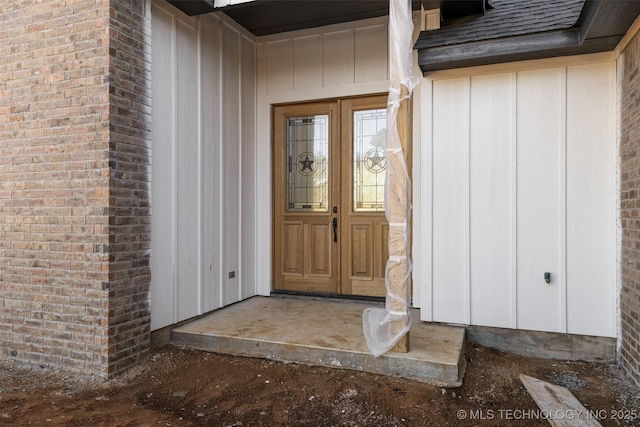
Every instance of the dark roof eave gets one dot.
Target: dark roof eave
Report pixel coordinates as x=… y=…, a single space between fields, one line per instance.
x=194 y=7
x=533 y=46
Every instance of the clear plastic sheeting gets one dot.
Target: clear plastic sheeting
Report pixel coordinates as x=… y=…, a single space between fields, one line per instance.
x=384 y=328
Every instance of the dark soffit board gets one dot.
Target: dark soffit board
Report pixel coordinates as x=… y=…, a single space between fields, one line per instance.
x=264 y=17
x=194 y=7
x=276 y=16
x=598 y=27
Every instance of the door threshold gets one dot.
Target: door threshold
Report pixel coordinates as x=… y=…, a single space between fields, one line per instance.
x=325 y=296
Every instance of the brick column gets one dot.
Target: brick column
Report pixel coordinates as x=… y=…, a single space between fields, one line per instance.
x=74 y=172
x=54 y=183
x=629 y=86
x=129 y=183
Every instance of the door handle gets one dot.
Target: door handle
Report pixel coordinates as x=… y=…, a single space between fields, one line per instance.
x=335 y=229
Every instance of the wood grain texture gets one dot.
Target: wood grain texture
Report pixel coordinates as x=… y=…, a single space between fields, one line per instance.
x=305 y=255
x=307 y=259
x=369 y=281
x=549 y=345
x=563 y=408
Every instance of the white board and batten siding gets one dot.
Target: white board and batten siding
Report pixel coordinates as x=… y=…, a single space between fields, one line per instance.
x=522 y=183
x=203 y=164
x=514 y=173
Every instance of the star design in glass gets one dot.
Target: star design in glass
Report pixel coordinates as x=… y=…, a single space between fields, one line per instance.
x=375 y=160
x=306 y=164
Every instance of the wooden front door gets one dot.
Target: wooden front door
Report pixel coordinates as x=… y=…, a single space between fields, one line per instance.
x=330 y=232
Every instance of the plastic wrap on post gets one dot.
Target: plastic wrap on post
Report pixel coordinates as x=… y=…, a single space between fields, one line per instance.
x=384 y=328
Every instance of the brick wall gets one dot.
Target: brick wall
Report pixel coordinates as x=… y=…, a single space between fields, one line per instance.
x=130 y=165
x=72 y=172
x=629 y=93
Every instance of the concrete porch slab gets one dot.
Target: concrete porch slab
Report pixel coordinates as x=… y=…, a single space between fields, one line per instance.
x=324 y=332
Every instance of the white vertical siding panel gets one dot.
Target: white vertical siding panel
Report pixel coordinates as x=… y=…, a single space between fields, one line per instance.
x=248 y=170
x=338 y=58
x=371 y=51
x=204 y=84
x=451 y=201
x=307 y=62
x=162 y=175
x=279 y=66
x=491 y=213
x=540 y=183
x=540 y=171
x=187 y=173
x=417 y=200
x=589 y=186
x=423 y=258
x=211 y=165
x=231 y=163
x=263 y=171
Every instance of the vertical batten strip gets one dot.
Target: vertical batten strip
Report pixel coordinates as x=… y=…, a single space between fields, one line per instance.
x=514 y=200
x=200 y=166
x=322 y=61
x=416 y=196
x=430 y=211
x=174 y=164
x=240 y=145
x=424 y=274
x=429 y=207
x=221 y=278
x=467 y=198
x=353 y=55
x=563 y=202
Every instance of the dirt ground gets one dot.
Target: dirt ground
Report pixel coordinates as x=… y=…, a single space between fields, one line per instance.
x=180 y=387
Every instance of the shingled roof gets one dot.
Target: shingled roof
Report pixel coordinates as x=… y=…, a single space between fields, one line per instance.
x=516 y=30
x=507 y=18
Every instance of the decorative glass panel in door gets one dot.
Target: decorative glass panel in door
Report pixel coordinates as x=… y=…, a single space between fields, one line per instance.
x=369 y=159
x=308 y=164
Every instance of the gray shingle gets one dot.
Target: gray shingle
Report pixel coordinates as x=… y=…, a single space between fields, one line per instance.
x=508 y=18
